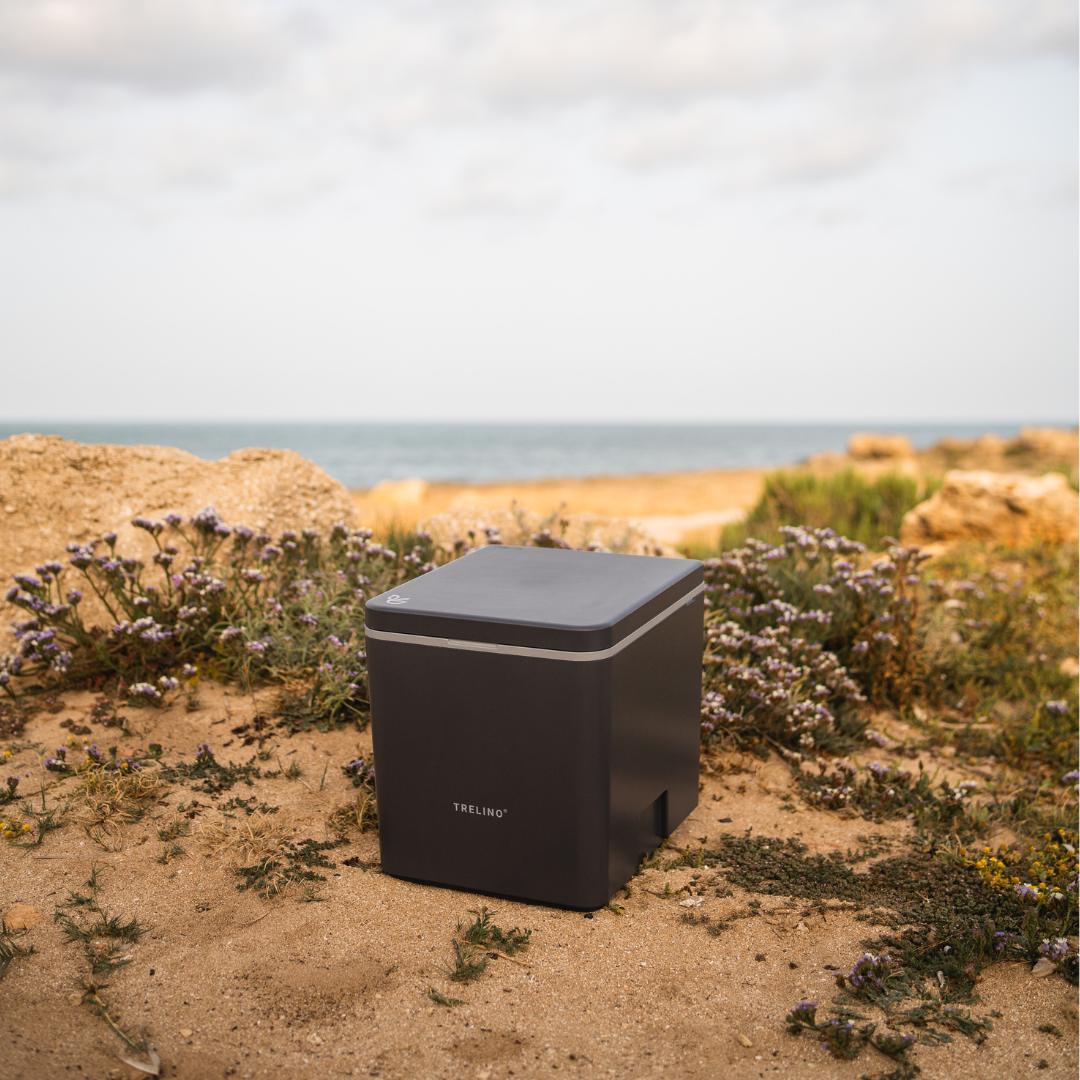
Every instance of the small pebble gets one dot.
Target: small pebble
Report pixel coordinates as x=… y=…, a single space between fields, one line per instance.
x=186 y=1033
x=1043 y=967
x=744 y=1040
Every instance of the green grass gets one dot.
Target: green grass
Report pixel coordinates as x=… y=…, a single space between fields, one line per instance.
x=860 y=509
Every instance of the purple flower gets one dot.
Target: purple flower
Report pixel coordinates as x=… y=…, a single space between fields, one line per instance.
x=1058 y=708
x=204 y=755
x=146 y=690
x=208 y=520
x=167 y=683
x=1025 y=892
x=173 y=520
x=1074 y=775
x=12 y=783
x=1055 y=950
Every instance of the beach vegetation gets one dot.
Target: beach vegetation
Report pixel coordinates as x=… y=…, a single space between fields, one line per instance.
x=214 y=599
x=858 y=507
x=480 y=940
x=798 y=634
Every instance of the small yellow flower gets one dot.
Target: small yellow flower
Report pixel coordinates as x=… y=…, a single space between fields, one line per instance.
x=26 y=828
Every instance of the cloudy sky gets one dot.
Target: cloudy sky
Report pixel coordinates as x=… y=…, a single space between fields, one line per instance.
x=539 y=209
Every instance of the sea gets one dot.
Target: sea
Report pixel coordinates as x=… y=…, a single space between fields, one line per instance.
x=361 y=454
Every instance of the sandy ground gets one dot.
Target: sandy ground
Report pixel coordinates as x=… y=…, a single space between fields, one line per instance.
x=227 y=984
x=671 y=507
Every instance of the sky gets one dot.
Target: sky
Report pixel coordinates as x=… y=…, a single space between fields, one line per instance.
x=730 y=210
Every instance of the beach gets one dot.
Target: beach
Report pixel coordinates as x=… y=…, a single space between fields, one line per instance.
x=187 y=850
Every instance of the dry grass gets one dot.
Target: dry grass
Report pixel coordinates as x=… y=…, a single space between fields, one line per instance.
x=109 y=799
x=258 y=839
x=360 y=814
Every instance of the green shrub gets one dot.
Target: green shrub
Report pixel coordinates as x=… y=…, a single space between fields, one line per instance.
x=860 y=509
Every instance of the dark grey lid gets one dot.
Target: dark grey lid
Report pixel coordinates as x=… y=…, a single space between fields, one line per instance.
x=545 y=598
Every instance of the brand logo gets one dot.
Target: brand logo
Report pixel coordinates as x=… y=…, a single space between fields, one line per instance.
x=393 y=598
x=483 y=811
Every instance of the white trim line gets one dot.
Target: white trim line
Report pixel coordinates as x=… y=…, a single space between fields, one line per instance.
x=525 y=650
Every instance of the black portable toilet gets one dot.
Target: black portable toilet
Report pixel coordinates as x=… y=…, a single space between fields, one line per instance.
x=536 y=719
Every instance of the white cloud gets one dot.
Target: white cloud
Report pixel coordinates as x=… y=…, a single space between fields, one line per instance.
x=140 y=97
x=145 y=44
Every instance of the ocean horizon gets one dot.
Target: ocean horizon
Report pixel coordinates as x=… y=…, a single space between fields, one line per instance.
x=362 y=454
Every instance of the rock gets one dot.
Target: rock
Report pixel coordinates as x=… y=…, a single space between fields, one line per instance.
x=1043 y=967
x=21 y=917
x=744 y=1040
x=186 y=1033
x=1050 y=442
x=871 y=446
x=55 y=491
x=519 y=526
x=1009 y=508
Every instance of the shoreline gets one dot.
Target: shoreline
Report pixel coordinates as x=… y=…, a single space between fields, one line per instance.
x=677 y=508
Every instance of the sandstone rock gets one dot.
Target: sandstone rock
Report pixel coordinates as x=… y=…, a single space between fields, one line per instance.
x=868 y=445
x=1050 y=442
x=517 y=526
x=1007 y=507
x=21 y=917
x=53 y=491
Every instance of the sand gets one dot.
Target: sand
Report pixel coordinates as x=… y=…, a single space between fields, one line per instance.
x=228 y=984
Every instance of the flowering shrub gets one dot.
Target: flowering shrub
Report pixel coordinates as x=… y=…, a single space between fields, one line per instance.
x=1045 y=874
x=214 y=597
x=867 y=976
x=795 y=632
x=882 y=792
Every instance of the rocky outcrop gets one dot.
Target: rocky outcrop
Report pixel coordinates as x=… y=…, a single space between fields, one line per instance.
x=53 y=491
x=869 y=446
x=1050 y=442
x=473 y=526
x=1009 y=508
